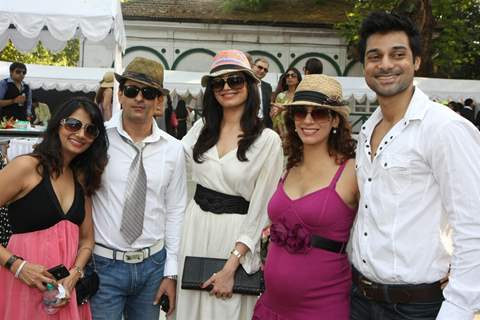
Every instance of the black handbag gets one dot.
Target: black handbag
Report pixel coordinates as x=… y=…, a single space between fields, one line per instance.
x=197 y=270
x=87 y=286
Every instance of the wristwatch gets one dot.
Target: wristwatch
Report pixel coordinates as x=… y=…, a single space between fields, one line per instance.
x=174 y=277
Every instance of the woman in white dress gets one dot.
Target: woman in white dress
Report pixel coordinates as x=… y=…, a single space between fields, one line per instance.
x=232 y=154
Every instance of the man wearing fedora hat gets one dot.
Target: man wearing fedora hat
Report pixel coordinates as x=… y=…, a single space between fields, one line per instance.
x=415 y=188
x=139 y=209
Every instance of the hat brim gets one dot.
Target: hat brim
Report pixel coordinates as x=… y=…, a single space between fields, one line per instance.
x=342 y=110
x=106 y=84
x=207 y=77
x=162 y=90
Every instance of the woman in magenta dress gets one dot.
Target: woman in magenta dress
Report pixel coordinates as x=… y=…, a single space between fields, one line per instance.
x=307 y=273
x=47 y=193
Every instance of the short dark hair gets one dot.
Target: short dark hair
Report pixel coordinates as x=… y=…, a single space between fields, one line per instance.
x=313 y=66
x=468 y=102
x=88 y=165
x=384 y=22
x=17 y=65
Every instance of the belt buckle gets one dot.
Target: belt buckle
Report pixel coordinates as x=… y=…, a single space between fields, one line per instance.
x=133 y=256
x=364 y=286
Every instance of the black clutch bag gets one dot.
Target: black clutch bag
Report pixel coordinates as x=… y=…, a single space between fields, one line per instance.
x=197 y=270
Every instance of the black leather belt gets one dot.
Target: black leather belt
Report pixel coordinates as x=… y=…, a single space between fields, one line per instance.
x=328 y=244
x=219 y=203
x=417 y=293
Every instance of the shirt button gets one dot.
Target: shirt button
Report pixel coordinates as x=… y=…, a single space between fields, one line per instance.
x=364 y=261
x=385 y=164
x=405 y=123
x=380 y=148
x=366 y=206
x=369 y=152
x=386 y=142
x=363 y=128
x=391 y=137
x=365 y=234
x=367 y=146
x=369 y=179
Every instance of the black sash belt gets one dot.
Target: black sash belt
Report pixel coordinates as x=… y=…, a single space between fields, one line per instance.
x=219 y=203
x=328 y=244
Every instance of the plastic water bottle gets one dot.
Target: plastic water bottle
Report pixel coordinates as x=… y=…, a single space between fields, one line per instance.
x=50 y=299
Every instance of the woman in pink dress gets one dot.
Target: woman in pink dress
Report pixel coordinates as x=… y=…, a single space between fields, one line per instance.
x=47 y=193
x=307 y=273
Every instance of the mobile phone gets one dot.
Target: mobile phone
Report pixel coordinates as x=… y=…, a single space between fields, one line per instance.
x=164 y=303
x=59 y=272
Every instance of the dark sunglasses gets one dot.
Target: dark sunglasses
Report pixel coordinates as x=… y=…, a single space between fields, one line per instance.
x=148 y=93
x=74 y=125
x=235 y=82
x=291 y=75
x=262 y=68
x=17 y=71
x=318 y=114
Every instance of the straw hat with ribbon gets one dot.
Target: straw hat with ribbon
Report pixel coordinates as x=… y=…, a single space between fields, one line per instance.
x=107 y=81
x=321 y=91
x=144 y=71
x=228 y=61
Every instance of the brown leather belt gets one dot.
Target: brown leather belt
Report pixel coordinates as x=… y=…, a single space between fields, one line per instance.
x=419 y=293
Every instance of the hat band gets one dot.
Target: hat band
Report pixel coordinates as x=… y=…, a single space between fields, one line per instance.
x=316 y=97
x=226 y=67
x=142 y=77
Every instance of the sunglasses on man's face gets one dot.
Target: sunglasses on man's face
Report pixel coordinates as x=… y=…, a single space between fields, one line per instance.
x=318 y=114
x=262 y=68
x=18 y=71
x=74 y=125
x=148 y=93
x=235 y=82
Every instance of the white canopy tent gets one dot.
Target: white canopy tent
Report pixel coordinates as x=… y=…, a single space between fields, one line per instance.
x=187 y=84
x=54 y=22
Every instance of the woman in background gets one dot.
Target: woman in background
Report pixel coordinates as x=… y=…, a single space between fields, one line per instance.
x=284 y=94
x=48 y=196
x=104 y=96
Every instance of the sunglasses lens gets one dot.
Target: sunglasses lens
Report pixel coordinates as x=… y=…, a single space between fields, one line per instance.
x=218 y=84
x=320 y=114
x=299 y=113
x=235 y=82
x=91 y=131
x=72 y=124
x=149 y=93
x=130 y=91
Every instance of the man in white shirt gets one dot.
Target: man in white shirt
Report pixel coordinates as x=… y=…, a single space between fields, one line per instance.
x=139 y=209
x=260 y=67
x=418 y=174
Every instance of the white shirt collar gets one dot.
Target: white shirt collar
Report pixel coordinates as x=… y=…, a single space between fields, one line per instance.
x=116 y=123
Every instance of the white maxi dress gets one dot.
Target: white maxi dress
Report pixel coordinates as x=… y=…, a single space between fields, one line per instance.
x=206 y=234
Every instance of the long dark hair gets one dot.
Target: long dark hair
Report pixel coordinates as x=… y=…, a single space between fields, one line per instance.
x=212 y=115
x=340 y=145
x=282 y=82
x=88 y=165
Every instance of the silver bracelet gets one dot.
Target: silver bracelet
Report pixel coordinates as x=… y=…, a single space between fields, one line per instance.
x=17 y=274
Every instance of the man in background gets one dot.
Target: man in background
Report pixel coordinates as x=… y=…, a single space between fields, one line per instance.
x=15 y=94
x=313 y=66
x=260 y=67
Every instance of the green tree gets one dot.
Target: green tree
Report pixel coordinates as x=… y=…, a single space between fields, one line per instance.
x=69 y=56
x=450 y=30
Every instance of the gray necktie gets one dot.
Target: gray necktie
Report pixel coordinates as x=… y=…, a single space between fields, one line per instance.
x=135 y=196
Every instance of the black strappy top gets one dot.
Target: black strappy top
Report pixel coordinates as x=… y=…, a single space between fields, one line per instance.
x=40 y=208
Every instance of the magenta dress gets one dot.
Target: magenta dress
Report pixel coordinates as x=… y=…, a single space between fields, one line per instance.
x=45 y=235
x=305 y=283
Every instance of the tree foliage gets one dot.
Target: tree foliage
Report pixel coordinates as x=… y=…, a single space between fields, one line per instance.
x=450 y=31
x=69 y=56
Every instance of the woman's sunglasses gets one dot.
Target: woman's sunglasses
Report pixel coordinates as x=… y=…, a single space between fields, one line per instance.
x=148 y=93
x=74 y=125
x=318 y=114
x=291 y=75
x=235 y=82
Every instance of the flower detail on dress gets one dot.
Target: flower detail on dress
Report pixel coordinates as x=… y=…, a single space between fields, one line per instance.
x=295 y=239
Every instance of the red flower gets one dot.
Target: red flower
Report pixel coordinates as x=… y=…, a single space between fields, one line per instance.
x=295 y=239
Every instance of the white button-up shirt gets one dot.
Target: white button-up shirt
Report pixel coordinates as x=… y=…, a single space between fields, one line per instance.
x=164 y=163
x=423 y=180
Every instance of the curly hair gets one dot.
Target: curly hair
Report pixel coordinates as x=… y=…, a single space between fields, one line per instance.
x=212 y=115
x=340 y=145
x=88 y=165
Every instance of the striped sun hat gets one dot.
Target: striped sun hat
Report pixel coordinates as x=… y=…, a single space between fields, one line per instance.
x=228 y=61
